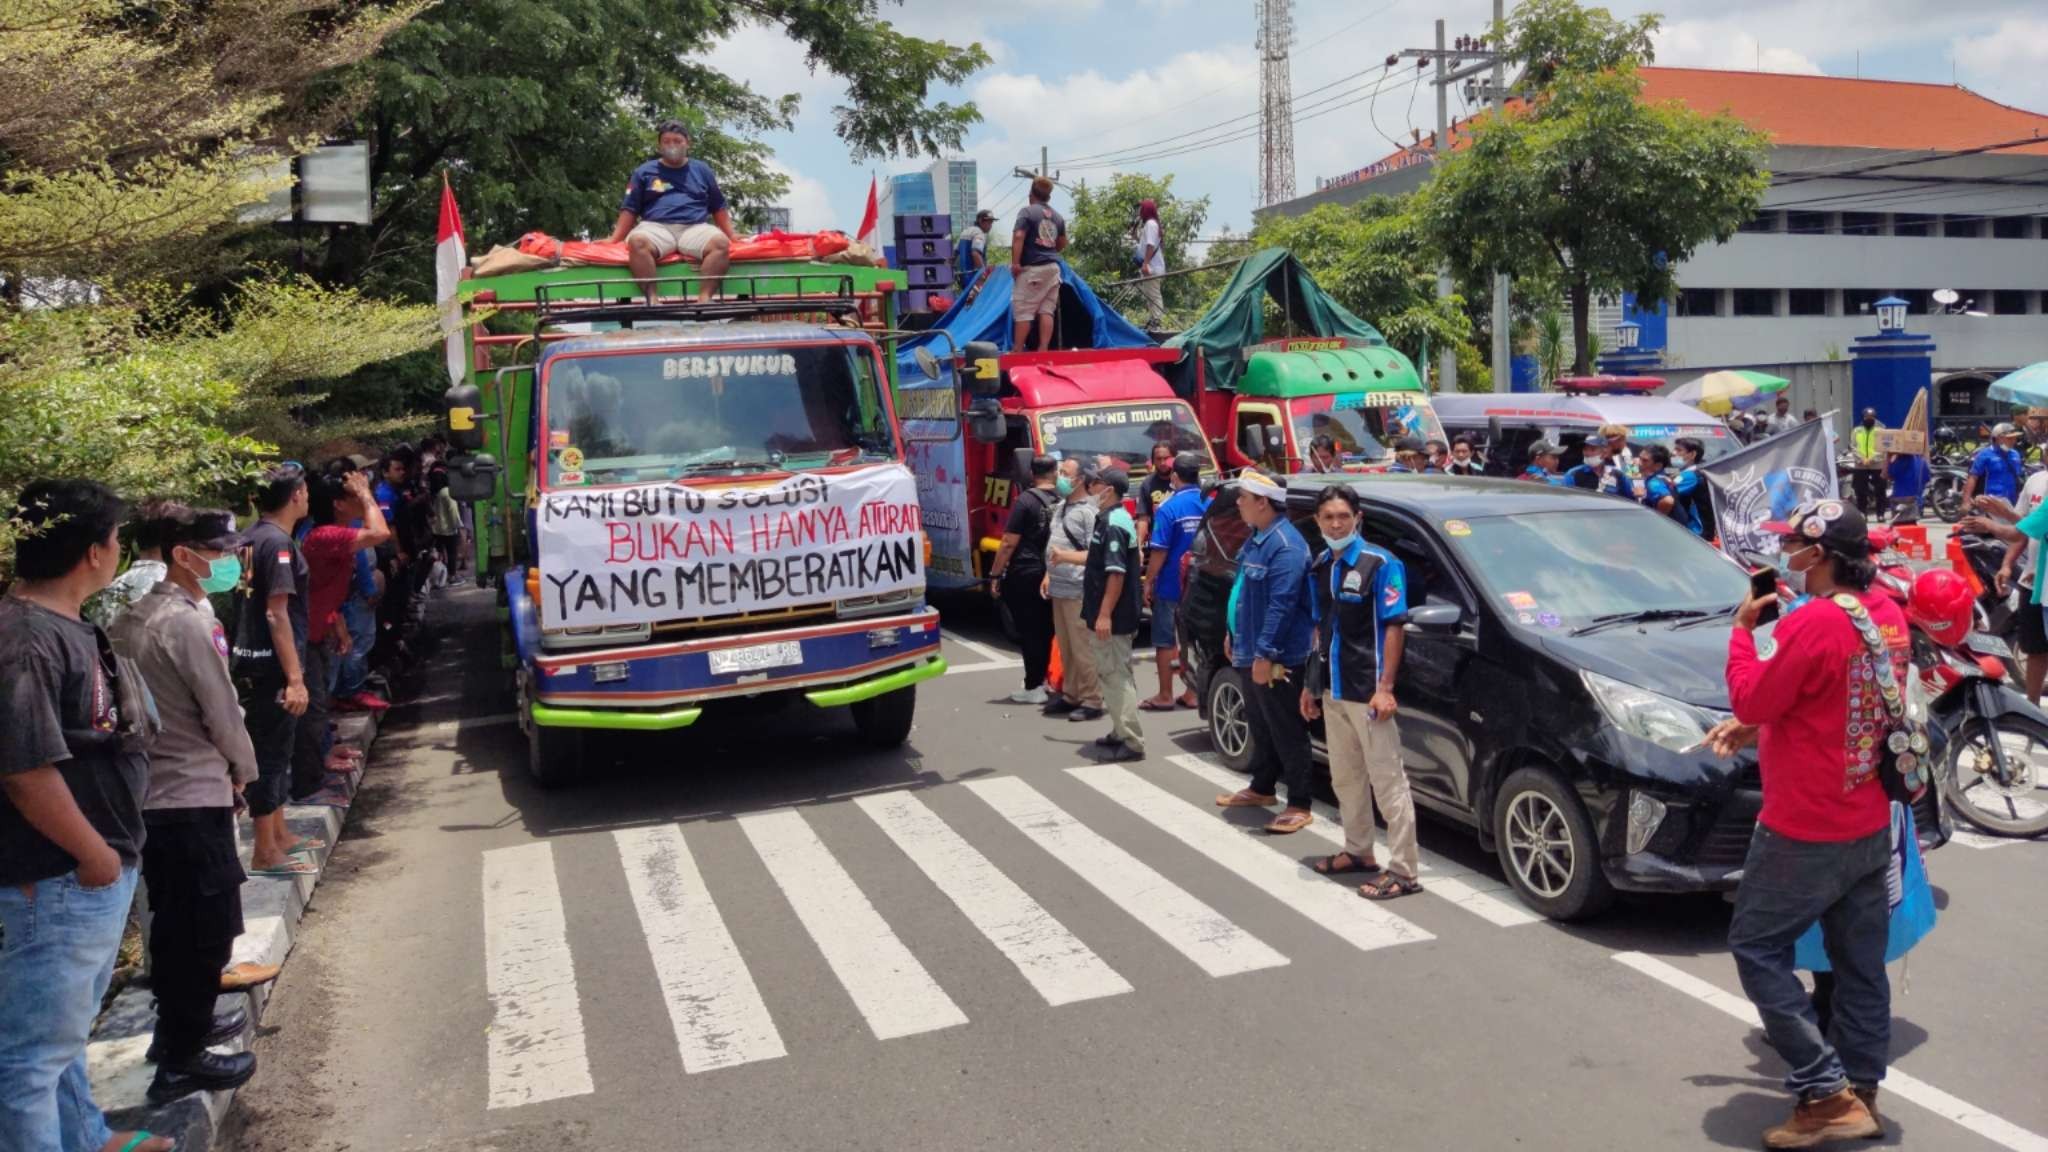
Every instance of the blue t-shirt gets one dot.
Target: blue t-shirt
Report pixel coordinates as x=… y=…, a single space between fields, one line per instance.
x=387 y=500
x=1554 y=479
x=665 y=195
x=1655 y=489
x=1909 y=477
x=1173 y=531
x=1998 y=471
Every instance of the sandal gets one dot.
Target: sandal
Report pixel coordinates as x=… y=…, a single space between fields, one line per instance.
x=1292 y=820
x=305 y=845
x=1389 y=886
x=138 y=1139
x=293 y=866
x=1246 y=798
x=1328 y=866
x=1188 y=701
x=1154 y=706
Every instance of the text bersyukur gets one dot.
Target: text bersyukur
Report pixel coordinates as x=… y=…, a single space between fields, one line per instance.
x=653 y=552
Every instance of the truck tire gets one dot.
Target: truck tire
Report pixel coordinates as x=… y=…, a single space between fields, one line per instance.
x=552 y=754
x=884 y=722
x=1230 y=722
x=1548 y=848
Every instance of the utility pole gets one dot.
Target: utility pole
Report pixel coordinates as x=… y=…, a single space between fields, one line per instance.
x=1503 y=356
x=1468 y=56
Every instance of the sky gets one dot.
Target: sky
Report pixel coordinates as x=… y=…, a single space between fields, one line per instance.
x=1095 y=82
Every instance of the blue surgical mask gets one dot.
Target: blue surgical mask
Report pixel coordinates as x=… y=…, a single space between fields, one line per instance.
x=1064 y=485
x=1339 y=543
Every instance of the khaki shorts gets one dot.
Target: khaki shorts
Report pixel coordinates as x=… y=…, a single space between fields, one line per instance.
x=1036 y=293
x=689 y=239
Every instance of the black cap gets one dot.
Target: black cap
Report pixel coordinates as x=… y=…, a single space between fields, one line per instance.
x=1408 y=444
x=1835 y=526
x=984 y=214
x=1188 y=467
x=211 y=530
x=1115 y=479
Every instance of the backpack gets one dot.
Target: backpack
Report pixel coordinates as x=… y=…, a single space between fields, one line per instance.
x=1903 y=765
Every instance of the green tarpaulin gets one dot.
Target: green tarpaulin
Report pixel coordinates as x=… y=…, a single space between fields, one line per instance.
x=1238 y=319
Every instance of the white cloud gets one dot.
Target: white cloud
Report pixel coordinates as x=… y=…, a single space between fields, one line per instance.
x=1725 y=44
x=810 y=205
x=2010 y=64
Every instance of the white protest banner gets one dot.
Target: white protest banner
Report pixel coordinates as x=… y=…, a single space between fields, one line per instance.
x=652 y=552
x=1766 y=481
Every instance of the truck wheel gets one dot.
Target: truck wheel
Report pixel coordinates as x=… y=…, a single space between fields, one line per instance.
x=884 y=722
x=1230 y=721
x=1547 y=846
x=552 y=754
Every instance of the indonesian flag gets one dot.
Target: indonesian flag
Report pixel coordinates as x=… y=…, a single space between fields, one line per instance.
x=449 y=261
x=870 y=221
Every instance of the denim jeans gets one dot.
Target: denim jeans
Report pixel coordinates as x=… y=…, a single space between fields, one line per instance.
x=57 y=949
x=362 y=633
x=1787 y=884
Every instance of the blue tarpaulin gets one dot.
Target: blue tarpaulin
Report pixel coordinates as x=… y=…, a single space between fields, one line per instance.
x=1084 y=321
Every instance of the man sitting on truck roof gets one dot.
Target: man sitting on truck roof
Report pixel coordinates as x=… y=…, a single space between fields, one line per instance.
x=673 y=204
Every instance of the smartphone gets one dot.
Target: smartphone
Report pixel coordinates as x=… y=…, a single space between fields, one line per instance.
x=1764 y=582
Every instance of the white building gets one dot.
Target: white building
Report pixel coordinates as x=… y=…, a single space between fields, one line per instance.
x=1878 y=188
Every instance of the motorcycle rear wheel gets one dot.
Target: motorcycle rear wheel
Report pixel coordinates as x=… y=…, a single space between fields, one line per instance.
x=1945 y=497
x=2017 y=809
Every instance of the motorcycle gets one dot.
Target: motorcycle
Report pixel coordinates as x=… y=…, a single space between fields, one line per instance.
x=1996 y=770
x=1944 y=495
x=1977 y=560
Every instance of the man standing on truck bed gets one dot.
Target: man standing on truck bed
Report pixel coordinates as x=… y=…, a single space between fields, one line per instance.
x=673 y=204
x=1035 y=246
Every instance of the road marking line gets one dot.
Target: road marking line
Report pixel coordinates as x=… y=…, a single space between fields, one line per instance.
x=1361 y=923
x=717 y=1012
x=1470 y=890
x=536 y=1041
x=986 y=666
x=1896 y=1083
x=1189 y=926
x=886 y=983
x=993 y=655
x=1969 y=838
x=1053 y=959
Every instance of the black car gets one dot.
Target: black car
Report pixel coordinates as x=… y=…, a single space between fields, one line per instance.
x=1565 y=656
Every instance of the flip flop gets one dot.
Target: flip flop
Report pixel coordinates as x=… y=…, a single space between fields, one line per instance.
x=309 y=844
x=1246 y=798
x=1153 y=706
x=294 y=867
x=141 y=1138
x=1291 y=821
x=1187 y=702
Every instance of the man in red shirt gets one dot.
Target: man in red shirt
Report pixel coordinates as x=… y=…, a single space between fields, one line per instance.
x=330 y=550
x=1813 y=699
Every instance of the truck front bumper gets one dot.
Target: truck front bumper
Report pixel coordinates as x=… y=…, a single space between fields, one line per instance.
x=662 y=720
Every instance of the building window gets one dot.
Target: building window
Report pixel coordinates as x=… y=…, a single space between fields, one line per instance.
x=1919 y=301
x=1761 y=222
x=1966 y=226
x=1862 y=223
x=1859 y=301
x=2006 y=302
x=1806 y=223
x=2010 y=227
x=1912 y=224
x=1699 y=302
x=1806 y=302
x=1756 y=301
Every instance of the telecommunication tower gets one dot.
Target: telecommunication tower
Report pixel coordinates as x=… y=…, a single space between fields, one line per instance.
x=1276 y=102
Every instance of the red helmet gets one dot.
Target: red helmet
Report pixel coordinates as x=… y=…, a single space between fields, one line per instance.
x=1942 y=604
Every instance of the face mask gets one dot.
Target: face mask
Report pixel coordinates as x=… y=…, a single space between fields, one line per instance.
x=1596 y=461
x=1795 y=578
x=1064 y=485
x=222 y=574
x=1339 y=543
x=674 y=157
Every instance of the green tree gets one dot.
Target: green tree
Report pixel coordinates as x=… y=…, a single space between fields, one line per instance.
x=1587 y=179
x=1103 y=236
x=539 y=111
x=1372 y=258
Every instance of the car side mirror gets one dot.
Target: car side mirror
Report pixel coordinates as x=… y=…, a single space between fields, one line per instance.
x=1438 y=618
x=473 y=478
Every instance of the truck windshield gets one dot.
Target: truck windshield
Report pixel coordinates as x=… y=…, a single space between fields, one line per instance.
x=621 y=419
x=1365 y=425
x=1125 y=431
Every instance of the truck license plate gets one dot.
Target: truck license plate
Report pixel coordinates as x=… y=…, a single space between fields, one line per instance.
x=727 y=661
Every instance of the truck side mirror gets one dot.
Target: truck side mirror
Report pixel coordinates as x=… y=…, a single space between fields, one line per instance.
x=986 y=422
x=473 y=478
x=984 y=374
x=1251 y=440
x=1020 y=459
x=462 y=403
x=1276 y=440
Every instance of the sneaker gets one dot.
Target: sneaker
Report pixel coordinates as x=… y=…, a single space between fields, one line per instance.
x=1841 y=1116
x=1109 y=741
x=368 y=701
x=1122 y=752
x=1084 y=712
x=1029 y=696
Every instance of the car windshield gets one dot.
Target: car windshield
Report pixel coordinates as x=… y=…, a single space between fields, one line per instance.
x=1570 y=569
x=616 y=419
x=1365 y=425
x=1715 y=438
x=1125 y=431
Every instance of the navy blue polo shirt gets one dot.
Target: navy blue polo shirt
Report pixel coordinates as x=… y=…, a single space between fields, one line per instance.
x=665 y=195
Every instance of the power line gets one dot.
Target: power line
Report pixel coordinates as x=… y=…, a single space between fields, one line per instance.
x=1232 y=138
x=1252 y=115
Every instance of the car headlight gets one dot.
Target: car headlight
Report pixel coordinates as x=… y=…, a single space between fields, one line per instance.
x=1670 y=724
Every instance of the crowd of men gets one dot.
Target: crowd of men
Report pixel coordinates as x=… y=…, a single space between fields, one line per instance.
x=164 y=670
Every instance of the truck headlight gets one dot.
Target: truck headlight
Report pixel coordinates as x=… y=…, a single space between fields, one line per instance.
x=1645 y=816
x=1670 y=724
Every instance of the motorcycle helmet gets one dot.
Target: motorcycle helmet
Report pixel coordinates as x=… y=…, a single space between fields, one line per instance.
x=1942 y=605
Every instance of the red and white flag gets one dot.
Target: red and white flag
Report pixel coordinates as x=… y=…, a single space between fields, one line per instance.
x=870 y=221
x=449 y=261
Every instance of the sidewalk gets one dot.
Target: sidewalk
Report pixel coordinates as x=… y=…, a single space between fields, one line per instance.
x=271 y=908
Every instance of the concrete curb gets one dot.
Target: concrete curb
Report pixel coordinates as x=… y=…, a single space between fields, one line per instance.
x=271 y=909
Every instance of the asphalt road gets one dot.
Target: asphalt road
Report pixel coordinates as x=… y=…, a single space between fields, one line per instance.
x=761 y=936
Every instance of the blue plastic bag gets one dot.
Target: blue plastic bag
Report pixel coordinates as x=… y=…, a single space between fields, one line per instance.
x=1912 y=901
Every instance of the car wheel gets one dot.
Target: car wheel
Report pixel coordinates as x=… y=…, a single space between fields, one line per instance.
x=884 y=722
x=1230 y=721
x=1547 y=846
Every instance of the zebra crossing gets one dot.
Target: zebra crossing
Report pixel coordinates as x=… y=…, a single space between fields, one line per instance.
x=537 y=1048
